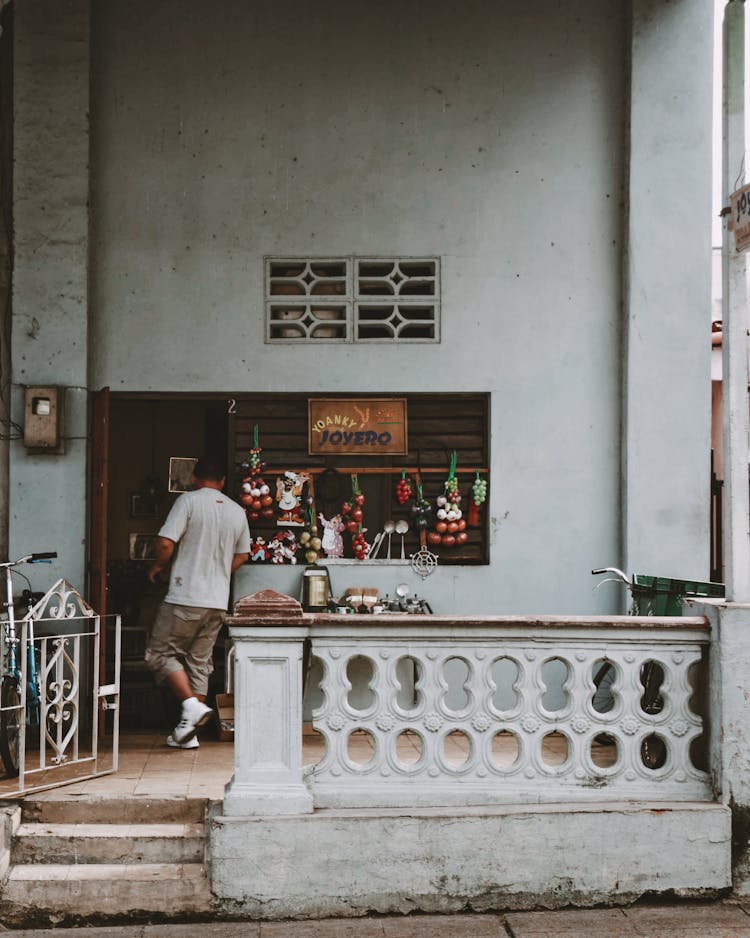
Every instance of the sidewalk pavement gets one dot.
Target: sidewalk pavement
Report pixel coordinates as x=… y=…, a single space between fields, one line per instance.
x=728 y=919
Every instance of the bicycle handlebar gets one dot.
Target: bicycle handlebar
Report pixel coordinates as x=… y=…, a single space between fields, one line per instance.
x=45 y=557
x=622 y=577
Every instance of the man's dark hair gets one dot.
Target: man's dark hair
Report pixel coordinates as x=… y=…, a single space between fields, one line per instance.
x=208 y=469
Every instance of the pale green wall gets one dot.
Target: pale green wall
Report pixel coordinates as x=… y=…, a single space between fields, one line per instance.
x=492 y=135
x=492 y=139
x=47 y=494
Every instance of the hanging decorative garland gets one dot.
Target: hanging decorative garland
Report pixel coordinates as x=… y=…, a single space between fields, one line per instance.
x=255 y=495
x=478 y=498
x=309 y=540
x=352 y=512
x=404 y=490
x=450 y=527
x=421 y=509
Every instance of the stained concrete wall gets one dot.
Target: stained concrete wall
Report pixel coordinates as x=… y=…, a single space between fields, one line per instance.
x=50 y=274
x=495 y=139
x=667 y=394
x=220 y=139
x=433 y=861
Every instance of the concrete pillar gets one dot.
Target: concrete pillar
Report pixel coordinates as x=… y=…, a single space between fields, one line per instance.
x=729 y=723
x=735 y=320
x=667 y=296
x=268 y=631
x=50 y=277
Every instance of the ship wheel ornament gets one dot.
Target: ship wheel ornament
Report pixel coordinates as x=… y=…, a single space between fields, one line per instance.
x=423 y=563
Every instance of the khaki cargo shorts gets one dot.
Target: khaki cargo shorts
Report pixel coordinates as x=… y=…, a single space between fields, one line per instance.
x=183 y=639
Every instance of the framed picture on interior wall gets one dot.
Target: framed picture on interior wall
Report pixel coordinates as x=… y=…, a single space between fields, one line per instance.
x=143 y=506
x=181 y=473
x=142 y=546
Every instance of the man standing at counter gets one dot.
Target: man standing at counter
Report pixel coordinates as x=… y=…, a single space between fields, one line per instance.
x=207 y=534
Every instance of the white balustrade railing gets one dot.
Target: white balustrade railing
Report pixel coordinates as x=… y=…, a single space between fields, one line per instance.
x=428 y=710
x=508 y=711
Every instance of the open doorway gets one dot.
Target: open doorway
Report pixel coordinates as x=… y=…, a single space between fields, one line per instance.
x=148 y=436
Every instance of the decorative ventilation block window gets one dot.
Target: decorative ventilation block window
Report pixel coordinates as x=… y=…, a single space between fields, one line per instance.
x=397 y=300
x=352 y=299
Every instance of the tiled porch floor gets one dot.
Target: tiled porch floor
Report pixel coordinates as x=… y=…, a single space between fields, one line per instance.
x=147 y=767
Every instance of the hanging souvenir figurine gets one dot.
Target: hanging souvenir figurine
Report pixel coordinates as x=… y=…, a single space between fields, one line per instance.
x=289 y=496
x=284 y=548
x=258 y=549
x=255 y=495
x=332 y=543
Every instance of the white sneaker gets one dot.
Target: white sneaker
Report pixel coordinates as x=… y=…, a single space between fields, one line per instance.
x=190 y=744
x=194 y=714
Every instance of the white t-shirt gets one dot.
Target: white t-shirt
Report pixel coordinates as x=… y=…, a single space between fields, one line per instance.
x=209 y=529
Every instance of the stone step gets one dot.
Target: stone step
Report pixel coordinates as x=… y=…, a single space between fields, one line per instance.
x=59 y=807
x=59 y=893
x=108 y=843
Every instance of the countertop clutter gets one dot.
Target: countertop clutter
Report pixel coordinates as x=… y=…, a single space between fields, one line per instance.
x=366 y=600
x=317 y=595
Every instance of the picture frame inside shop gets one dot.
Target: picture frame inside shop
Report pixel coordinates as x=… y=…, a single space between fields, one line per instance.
x=142 y=546
x=181 y=473
x=143 y=506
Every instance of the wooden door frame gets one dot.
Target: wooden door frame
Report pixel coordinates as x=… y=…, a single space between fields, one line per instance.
x=99 y=475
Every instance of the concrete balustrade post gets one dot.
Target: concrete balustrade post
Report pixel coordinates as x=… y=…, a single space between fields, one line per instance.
x=268 y=631
x=729 y=724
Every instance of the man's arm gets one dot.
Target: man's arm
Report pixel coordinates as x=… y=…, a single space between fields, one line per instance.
x=238 y=560
x=164 y=550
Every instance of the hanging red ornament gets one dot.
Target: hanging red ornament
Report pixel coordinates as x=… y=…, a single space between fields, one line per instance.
x=404 y=490
x=255 y=495
x=351 y=512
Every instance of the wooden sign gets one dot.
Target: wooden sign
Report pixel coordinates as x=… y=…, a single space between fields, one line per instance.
x=357 y=426
x=740 y=204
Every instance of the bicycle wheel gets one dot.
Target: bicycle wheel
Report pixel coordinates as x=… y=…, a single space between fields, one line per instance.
x=10 y=725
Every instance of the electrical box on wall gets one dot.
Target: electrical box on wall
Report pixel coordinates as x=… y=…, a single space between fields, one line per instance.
x=43 y=413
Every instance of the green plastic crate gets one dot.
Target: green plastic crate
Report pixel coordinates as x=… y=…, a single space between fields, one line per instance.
x=662 y=596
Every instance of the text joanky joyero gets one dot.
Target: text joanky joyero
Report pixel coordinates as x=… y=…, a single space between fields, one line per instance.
x=351 y=426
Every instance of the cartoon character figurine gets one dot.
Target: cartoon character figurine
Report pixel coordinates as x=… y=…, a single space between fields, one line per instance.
x=284 y=547
x=258 y=549
x=333 y=543
x=289 y=496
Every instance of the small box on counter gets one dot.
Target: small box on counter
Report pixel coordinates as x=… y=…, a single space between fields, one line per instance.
x=357 y=596
x=225 y=717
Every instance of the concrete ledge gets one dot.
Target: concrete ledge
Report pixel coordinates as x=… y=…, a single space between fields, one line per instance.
x=10 y=819
x=88 y=892
x=346 y=862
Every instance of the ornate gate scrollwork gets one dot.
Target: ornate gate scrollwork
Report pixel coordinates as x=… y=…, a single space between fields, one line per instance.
x=65 y=703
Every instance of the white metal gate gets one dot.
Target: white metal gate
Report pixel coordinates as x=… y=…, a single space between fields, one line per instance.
x=65 y=713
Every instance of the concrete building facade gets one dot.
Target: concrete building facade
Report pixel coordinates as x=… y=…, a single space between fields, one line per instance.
x=553 y=163
x=162 y=151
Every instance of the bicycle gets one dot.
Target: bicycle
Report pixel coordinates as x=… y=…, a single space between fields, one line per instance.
x=12 y=696
x=651 y=672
